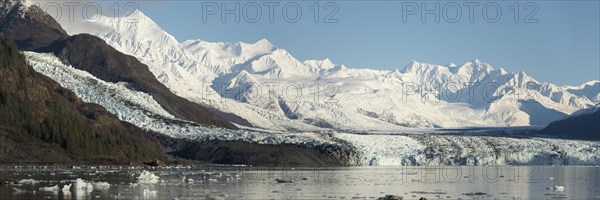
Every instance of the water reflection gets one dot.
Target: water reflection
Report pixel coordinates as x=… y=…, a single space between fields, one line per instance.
x=239 y=182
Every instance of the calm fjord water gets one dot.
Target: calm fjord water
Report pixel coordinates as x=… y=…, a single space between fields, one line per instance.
x=241 y=182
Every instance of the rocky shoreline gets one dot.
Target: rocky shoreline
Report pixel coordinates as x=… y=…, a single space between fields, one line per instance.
x=255 y=154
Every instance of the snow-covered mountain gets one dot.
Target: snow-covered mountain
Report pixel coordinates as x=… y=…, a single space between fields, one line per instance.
x=28 y=25
x=8 y=6
x=143 y=111
x=347 y=99
x=271 y=89
x=590 y=90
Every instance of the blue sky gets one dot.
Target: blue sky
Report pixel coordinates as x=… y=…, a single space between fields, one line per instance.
x=562 y=47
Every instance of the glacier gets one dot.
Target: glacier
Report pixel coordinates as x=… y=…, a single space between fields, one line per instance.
x=143 y=111
x=411 y=146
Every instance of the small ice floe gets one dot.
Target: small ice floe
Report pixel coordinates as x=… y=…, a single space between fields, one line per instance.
x=150 y=193
x=66 y=190
x=148 y=178
x=190 y=181
x=28 y=182
x=80 y=186
x=54 y=189
x=558 y=188
x=99 y=186
x=17 y=191
x=81 y=189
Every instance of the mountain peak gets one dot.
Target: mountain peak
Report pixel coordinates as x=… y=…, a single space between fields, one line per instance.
x=476 y=62
x=412 y=65
x=28 y=25
x=7 y=6
x=143 y=29
x=502 y=71
x=263 y=42
x=476 y=66
x=320 y=64
x=590 y=83
x=327 y=63
x=522 y=73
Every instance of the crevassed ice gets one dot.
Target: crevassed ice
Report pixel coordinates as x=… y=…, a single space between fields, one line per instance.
x=143 y=111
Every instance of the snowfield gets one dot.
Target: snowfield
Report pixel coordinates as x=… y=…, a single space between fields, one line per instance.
x=271 y=89
x=405 y=147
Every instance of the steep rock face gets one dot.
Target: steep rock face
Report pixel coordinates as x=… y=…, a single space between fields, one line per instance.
x=29 y=26
x=41 y=122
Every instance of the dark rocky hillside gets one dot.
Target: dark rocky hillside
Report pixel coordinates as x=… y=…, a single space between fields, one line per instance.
x=92 y=54
x=41 y=122
x=35 y=30
x=585 y=126
x=32 y=31
x=240 y=152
